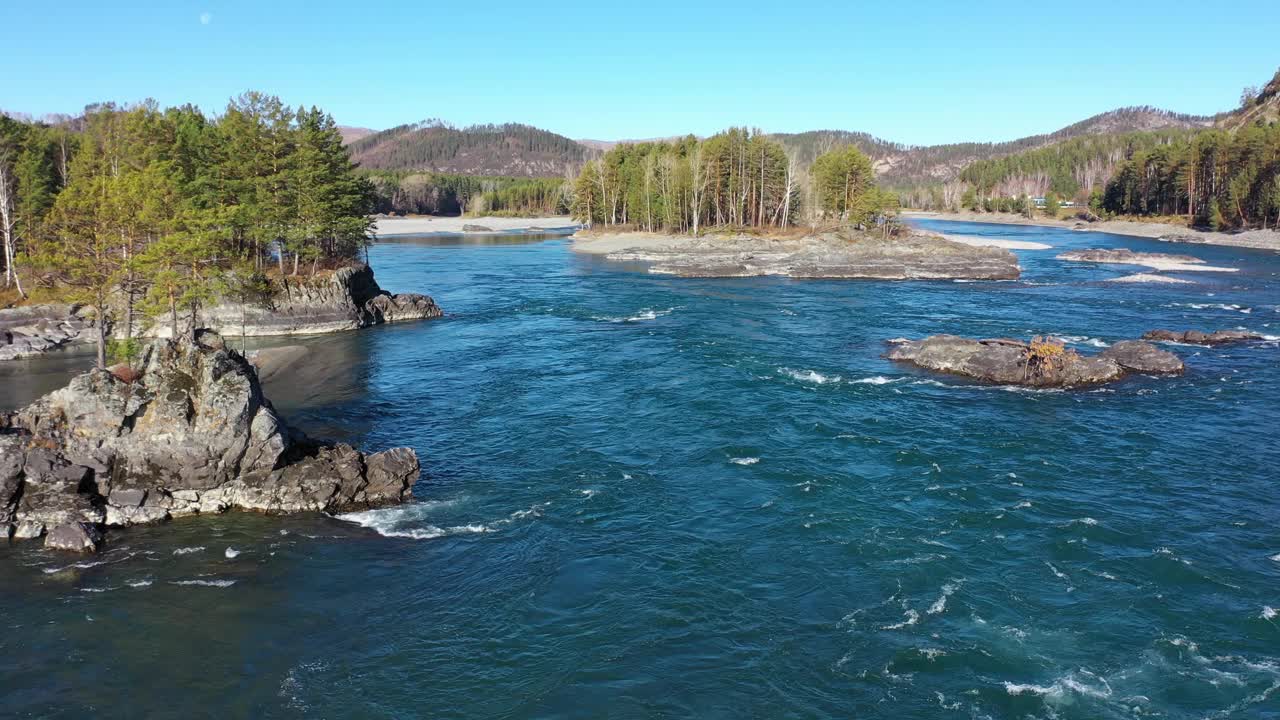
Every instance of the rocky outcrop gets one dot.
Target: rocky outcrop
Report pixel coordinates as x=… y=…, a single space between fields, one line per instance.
x=36 y=329
x=845 y=254
x=192 y=434
x=1143 y=357
x=348 y=299
x=469 y=227
x=1196 y=337
x=1013 y=362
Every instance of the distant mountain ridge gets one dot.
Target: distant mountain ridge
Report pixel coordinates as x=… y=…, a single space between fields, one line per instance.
x=519 y=150
x=511 y=150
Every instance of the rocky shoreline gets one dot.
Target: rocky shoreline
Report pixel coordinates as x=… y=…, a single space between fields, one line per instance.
x=844 y=254
x=347 y=299
x=186 y=431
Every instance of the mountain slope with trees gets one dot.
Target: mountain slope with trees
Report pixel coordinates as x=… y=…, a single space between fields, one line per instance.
x=510 y=150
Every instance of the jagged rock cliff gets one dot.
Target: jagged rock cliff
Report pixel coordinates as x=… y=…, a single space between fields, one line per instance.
x=192 y=434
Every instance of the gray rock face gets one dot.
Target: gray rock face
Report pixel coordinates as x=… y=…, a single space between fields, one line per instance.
x=193 y=434
x=36 y=329
x=1196 y=337
x=1009 y=362
x=74 y=537
x=1143 y=357
x=843 y=254
x=348 y=299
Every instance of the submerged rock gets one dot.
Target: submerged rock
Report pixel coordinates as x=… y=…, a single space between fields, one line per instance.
x=1013 y=362
x=193 y=434
x=469 y=227
x=1125 y=256
x=844 y=254
x=1196 y=337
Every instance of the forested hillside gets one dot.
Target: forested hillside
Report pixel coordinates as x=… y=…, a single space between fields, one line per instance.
x=1226 y=175
x=427 y=193
x=912 y=169
x=509 y=150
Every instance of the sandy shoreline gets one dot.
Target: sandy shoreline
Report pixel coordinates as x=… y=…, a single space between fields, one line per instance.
x=605 y=243
x=1257 y=239
x=426 y=225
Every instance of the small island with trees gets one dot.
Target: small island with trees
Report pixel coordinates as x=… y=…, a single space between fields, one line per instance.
x=739 y=204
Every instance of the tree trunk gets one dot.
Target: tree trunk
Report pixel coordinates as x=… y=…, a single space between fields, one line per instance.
x=101 y=320
x=173 y=314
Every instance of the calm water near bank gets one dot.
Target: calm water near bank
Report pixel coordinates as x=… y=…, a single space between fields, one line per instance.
x=655 y=497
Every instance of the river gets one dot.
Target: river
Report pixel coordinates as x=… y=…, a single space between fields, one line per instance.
x=646 y=496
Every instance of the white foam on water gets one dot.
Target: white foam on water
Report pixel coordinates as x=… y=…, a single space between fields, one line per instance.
x=139 y=583
x=877 y=380
x=85 y=565
x=1232 y=307
x=646 y=314
x=105 y=589
x=940 y=604
x=1275 y=558
x=1096 y=687
x=912 y=617
x=1268 y=612
x=390 y=522
x=231 y=553
x=1084 y=521
x=931 y=653
x=809 y=376
x=744 y=460
x=189 y=550
x=942 y=702
x=204 y=583
x=588 y=493
x=1023 y=504
x=1061 y=576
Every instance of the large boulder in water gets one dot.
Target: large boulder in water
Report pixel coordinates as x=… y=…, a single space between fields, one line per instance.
x=193 y=433
x=1196 y=337
x=1013 y=362
x=1143 y=357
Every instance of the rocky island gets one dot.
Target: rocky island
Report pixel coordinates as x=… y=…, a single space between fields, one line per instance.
x=186 y=430
x=1040 y=363
x=1156 y=261
x=1197 y=337
x=842 y=253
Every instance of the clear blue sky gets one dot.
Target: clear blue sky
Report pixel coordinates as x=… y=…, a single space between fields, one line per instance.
x=914 y=72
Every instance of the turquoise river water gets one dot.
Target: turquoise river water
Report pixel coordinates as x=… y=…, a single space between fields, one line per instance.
x=651 y=497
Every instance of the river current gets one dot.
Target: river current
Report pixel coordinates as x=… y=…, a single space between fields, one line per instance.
x=648 y=497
